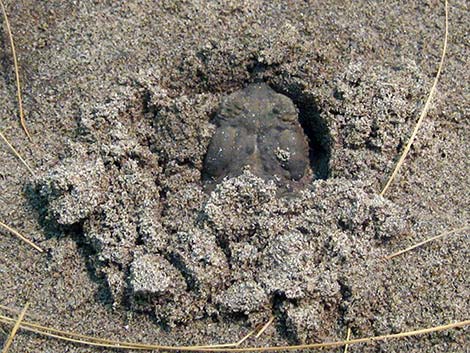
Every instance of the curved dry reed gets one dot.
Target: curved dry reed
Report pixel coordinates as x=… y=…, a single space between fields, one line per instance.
x=12 y=335
x=17 y=72
x=16 y=153
x=20 y=236
x=100 y=342
x=426 y=107
x=348 y=336
x=426 y=241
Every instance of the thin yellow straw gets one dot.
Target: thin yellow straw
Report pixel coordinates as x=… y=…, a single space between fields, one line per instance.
x=15 y=329
x=16 y=152
x=228 y=345
x=425 y=242
x=17 y=72
x=348 y=336
x=265 y=326
x=21 y=236
x=425 y=109
x=97 y=342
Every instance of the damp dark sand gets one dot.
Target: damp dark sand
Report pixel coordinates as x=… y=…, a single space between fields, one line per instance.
x=121 y=101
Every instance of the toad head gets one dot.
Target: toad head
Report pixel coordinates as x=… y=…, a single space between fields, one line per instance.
x=257 y=128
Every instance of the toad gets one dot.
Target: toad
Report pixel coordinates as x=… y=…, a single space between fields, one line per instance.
x=257 y=128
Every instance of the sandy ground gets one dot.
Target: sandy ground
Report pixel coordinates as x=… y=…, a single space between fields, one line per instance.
x=120 y=99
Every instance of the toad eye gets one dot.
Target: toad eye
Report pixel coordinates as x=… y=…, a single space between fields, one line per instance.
x=220 y=151
x=288 y=117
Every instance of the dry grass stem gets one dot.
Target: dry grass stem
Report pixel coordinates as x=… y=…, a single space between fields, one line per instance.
x=19 y=235
x=18 y=311
x=104 y=341
x=348 y=336
x=99 y=342
x=426 y=107
x=17 y=72
x=426 y=241
x=15 y=329
x=17 y=154
x=265 y=326
x=228 y=345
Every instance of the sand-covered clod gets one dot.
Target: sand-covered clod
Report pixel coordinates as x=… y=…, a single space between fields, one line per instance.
x=245 y=251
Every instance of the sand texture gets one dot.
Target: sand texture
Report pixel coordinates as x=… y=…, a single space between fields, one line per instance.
x=203 y=166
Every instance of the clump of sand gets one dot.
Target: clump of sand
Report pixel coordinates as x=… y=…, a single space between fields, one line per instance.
x=131 y=187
